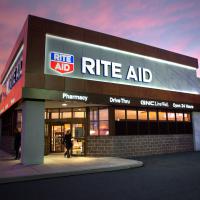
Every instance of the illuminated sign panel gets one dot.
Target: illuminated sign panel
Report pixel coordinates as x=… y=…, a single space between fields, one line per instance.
x=121 y=100
x=165 y=104
x=101 y=67
x=11 y=88
x=183 y=106
x=91 y=98
x=104 y=64
x=62 y=63
x=75 y=97
x=154 y=103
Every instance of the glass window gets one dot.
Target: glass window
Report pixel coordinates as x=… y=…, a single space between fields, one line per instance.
x=79 y=114
x=119 y=115
x=19 y=119
x=94 y=115
x=103 y=114
x=142 y=115
x=99 y=121
x=187 y=117
x=171 y=116
x=131 y=114
x=94 y=128
x=78 y=130
x=55 y=115
x=66 y=115
x=162 y=116
x=179 y=117
x=46 y=133
x=45 y=115
x=152 y=115
x=103 y=128
x=19 y=116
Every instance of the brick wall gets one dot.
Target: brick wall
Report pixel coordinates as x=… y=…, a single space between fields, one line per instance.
x=137 y=145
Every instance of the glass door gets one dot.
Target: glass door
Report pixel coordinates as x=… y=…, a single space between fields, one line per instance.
x=56 y=138
x=67 y=127
x=78 y=135
x=78 y=138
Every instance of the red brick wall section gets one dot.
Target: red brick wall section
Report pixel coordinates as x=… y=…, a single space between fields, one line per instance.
x=127 y=146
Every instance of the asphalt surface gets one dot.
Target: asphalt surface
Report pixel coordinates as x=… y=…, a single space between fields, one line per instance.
x=175 y=176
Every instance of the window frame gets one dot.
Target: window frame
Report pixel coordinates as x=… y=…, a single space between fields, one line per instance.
x=98 y=121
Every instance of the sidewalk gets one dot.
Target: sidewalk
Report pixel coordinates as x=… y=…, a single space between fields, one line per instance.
x=55 y=165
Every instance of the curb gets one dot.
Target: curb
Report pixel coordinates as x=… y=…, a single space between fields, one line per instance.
x=70 y=173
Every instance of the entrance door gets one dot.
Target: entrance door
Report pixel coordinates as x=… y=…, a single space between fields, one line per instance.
x=78 y=138
x=56 y=138
x=78 y=134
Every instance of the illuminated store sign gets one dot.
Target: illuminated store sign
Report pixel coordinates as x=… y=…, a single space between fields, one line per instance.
x=183 y=105
x=11 y=88
x=165 y=104
x=75 y=59
x=13 y=75
x=74 y=97
x=120 y=100
x=154 y=103
x=62 y=63
x=102 y=67
x=91 y=98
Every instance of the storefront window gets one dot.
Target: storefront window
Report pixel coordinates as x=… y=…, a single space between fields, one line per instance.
x=162 y=116
x=103 y=128
x=142 y=115
x=99 y=122
x=119 y=115
x=66 y=115
x=79 y=114
x=45 y=115
x=94 y=128
x=103 y=114
x=147 y=122
x=19 y=119
x=171 y=116
x=179 y=117
x=94 y=115
x=78 y=130
x=187 y=117
x=152 y=115
x=55 y=115
x=131 y=114
x=46 y=133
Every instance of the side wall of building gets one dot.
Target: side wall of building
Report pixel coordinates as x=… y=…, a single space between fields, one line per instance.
x=7 y=144
x=138 y=145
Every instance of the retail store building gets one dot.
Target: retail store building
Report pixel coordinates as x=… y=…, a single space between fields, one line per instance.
x=118 y=97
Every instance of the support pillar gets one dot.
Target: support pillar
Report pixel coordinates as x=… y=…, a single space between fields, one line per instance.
x=32 y=145
x=196 y=130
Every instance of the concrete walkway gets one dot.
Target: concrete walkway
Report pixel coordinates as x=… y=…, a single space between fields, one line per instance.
x=55 y=165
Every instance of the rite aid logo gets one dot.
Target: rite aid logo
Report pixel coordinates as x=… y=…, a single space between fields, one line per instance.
x=61 y=62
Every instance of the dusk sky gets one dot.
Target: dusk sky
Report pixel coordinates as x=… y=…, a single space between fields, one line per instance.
x=169 y=24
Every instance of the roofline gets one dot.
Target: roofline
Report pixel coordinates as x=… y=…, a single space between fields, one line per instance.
x=124 y=44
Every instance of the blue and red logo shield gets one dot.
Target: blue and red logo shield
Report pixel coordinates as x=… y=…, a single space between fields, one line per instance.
x=61 y=62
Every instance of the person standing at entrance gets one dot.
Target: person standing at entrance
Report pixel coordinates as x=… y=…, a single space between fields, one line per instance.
x=68 y=143
x=17 y=143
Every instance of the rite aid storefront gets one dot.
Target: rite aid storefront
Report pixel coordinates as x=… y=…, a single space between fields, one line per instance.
x=119 y=98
